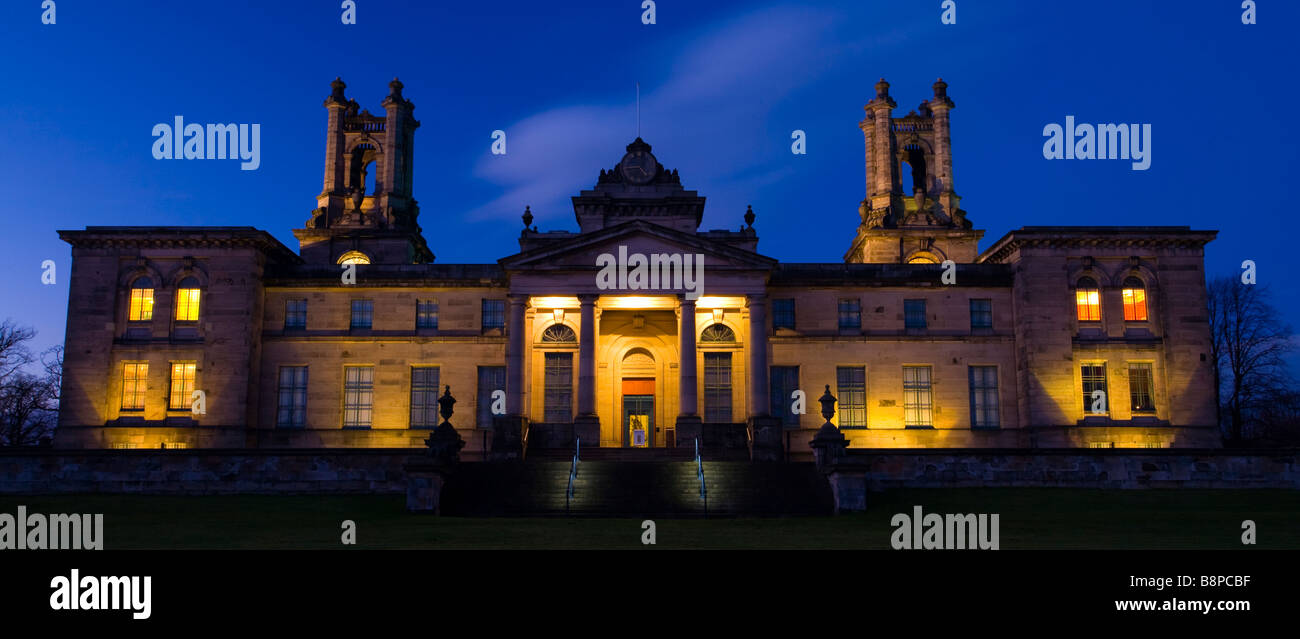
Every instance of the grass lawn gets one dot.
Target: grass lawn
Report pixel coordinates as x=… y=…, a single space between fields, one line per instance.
x=1029 y=518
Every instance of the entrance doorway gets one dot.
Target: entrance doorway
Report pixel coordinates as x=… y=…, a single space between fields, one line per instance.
x=638 y=421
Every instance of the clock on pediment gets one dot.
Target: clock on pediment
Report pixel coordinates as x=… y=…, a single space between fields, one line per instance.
x=638 y=166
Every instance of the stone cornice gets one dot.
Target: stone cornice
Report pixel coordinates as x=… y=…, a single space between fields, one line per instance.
x=165 y=237
x=1074 y=237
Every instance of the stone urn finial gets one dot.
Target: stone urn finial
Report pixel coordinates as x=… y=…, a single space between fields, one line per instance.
x=445 y=404
x=829 y=444
x=749 y=216
x=528 y=216
x=828 y=404
x=444 y=442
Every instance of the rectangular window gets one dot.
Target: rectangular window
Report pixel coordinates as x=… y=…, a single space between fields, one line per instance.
x=494 y=314
x=426 y=314
x=424 y=396
x=558 y=405
x=1094 y=379
x=363 y=314
x=141 y=305
x=914 y=313
x=984 y=397
x=292 y=412
x=1140 y=388
x=187 y=305
x=784 y=382
x=981 y=314
x=135 y=375
x=358 y=396
x=783 y=313
x=917 y=398
x=851 y=386
x=850 y=314
x=295 y=314
x=490 y=378
x=182 y=386
x=717 y=388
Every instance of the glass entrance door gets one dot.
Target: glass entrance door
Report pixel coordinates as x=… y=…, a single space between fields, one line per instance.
x=638 y=421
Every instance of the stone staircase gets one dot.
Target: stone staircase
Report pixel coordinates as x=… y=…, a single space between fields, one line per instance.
x=619 y=484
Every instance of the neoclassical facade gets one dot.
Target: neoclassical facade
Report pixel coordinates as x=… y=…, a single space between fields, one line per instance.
x=637 y=330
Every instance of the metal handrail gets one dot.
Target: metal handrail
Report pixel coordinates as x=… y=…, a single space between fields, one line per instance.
x=573 y=473
x=699 y=472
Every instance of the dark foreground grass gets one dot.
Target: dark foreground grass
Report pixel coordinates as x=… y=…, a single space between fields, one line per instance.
x=1030 y=518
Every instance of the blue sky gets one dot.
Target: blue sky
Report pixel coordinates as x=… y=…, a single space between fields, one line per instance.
x=723 y=84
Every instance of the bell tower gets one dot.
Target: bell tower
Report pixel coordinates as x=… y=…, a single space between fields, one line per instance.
x=365 y=211
x=914 y=220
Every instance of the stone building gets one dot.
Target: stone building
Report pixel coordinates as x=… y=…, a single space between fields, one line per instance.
x=1050 y=337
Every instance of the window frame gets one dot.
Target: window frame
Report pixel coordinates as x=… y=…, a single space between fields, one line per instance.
x=426 y=314
x=297 y=394
x=290 y=312
x=916 y=390
x=557 y=387
x=147 y=300
x=188 y=301
x=1140 y=310
x=1092 y=304
x=483 y=394
x=362 y=390
x=718 y=405
x=989 y=415
x=427 y=394
x=485 y=313
x=367 y=312
x=786 y=379
x=188 y=384
x=914 y=319
x=1087 y=379
x=847 y=407
x=849 y=307
x=139 y=388
x=1134 y=390
x=782 y=317
x=984 y=313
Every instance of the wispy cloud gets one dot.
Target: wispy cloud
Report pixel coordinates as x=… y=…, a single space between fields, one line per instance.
x=727 y=80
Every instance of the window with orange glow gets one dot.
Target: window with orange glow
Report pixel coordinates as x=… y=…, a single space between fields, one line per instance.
x=187 y=300
x=1087 y=300
x=182 y=387
x=141 y=309
x=134 y=378
x=1135 y=300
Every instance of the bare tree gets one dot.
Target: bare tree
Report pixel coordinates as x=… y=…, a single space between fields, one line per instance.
x=28 y=399
x=1249 y=349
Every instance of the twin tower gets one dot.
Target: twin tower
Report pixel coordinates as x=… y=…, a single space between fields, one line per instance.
x=366 y=212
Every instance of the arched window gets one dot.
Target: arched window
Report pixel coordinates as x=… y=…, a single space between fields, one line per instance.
x=354 y=257
x=1087 y=300
x=559 y=334
x=141 y=309
x=717 y=334
x=187 y=300
x=1135 y=300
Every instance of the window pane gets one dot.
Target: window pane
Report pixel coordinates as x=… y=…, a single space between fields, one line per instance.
x=558 y=404
x=363 y=313
x=717 y=387
x=490 y=378
x=424 y=397
x=914 y=313
x=1140 y=388
x=134 y=381
x=783 y=313
x=182 y=386
x=426 y=314
x=292 y=409
x=784 y=382
x=358 y=396
x=916 y=397
x=1094 y=379
x=981 y=314
x=295 y=313
x=850 y=314
x=1087 y=301
x=984 y=396
x=187 y=305
x=494 y=314
x=851 y=388
x=1135 y=301
x=141 y=309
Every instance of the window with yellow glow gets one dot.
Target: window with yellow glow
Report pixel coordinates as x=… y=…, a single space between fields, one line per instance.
x=1135 y=300
x=922 y=258
x=354 y=257
x=182 y=387
x=1087 y=300
x=135 y=375
x=187 y=300
x=141 y=309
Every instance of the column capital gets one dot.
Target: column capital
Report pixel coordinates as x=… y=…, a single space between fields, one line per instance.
x=682 y=301
x=588 y=298
x=518 y=298
x=756 y=299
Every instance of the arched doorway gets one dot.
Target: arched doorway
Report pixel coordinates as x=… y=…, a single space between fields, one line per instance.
x=637 y=414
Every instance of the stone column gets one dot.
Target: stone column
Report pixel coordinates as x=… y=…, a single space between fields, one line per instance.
x=510 y=430
x=759 y=404
x=765 y=432
x=516 y=345
x=688 y=418
x=586 y=424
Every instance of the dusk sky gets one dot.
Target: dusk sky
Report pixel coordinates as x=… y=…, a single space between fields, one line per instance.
x=723 y=85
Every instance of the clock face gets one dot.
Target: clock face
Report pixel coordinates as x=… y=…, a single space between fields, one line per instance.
x=638 y=167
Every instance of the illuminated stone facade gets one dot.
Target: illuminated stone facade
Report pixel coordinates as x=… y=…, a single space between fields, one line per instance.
x=925 y=341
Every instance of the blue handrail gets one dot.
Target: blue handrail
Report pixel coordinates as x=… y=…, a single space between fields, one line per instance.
x=699 y=472
x=573 y=473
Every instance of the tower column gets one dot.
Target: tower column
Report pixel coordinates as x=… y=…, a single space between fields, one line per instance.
x=586 y=424
x=689 y=424
x=765 y=431
x=516 y=344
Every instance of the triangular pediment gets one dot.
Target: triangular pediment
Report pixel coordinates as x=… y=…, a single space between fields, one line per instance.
x=581 y=251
